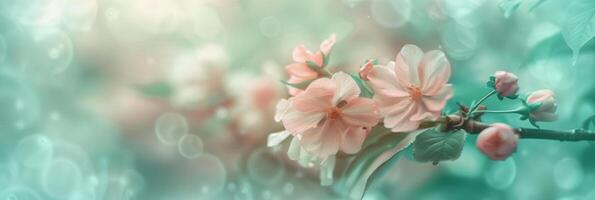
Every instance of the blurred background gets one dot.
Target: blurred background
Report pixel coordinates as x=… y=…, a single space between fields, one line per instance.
x=173 y=99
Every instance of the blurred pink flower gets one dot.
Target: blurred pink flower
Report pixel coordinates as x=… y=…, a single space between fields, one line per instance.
x=329 y=116
x=547 y=110
x=364 y=71
x=412 y=89
x=498 y=141
x=299 y=70
x=506 y=83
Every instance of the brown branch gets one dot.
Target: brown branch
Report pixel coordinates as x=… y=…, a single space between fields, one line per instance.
x=473 y=126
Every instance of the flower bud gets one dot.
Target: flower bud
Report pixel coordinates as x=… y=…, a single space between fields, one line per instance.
x=498 y=141
x=544 y=104
x=506 y=84
x=366 y=68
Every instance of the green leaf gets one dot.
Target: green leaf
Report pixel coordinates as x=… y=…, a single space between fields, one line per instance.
x=367 y=161
x=508 y=7
x=590 y=121
x=364 y=88
x=578 y=25
x=159 y=89
x=435 y=146
x=301 y=85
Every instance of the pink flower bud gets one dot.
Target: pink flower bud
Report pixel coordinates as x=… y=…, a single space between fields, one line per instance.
x=547 y=105
x=498 y=141
x=506 y=83
x=365 y=69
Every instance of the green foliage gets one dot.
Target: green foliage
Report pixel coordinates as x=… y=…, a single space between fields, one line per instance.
x=435 y=146
x=364 y=88
x=590 y=121
x=508 y=7
x=159 y=89
x=578 y=25
x=301 y=85
x=359 y=172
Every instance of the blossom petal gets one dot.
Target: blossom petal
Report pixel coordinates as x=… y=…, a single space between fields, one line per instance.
x=406 y=65
x=281 y=109
x=398 y=119
x=345 y=89
x=384 y=82
x=327 y=45
x=298 y=122
x=437 y=102
x=301 y=71
x=317 y=97
x=360 y=112
x=275 y=139
x=353 y=139
x=301 y=54
x=434 y=72
x=324 y=140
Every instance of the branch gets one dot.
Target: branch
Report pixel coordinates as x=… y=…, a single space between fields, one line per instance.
x=471 y=126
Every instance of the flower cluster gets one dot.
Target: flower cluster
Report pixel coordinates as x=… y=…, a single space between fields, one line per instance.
x=333 y=112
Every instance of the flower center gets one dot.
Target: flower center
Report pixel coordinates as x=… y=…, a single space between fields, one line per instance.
x=333 y=113
x=414 y=93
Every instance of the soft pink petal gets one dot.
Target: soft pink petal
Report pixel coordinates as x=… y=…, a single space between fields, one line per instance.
x=434 y=72
x=327 y=45
x=437 y=102
x=301 y=54
x=422 y=113
x=301 y=71
x=345 y=89
x=399 y=114
x=298 y=122
x=281 y=109
x=360 y=112
x=407 y=63
x=384 y=82
x=352 y=140
x=324 y=140
x=317 y=58
x=317 y=97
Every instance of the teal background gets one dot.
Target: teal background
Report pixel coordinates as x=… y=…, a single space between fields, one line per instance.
x=83 y=86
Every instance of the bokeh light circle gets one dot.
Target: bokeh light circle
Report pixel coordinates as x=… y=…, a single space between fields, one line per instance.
x=34 y=151
x=568 y=173
x=50 y=52
x=501 y=174
x=170 y=127
x=61 y=178
x=190 y=146
x=460 y=42
x=391 y=13
x=270 y=26
x=264 y=168
x=19 y=104
x=19 y=193
x=79 y=14
x=208 y=175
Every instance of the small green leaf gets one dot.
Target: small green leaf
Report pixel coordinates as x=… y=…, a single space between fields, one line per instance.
x=578 y=25
x=325 y=59
x=301 y=85
x=590 y=121
x=364 y=88
x=313 y=65
x=508 y=7
x=435 y=146
x=159 y=89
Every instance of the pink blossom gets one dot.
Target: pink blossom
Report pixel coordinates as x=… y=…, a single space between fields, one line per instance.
x=498 y=141
x=329 y=116
x=412 y=89
x=364 y=71
x=547 y=110
x=299 y=71
x=506 y=84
